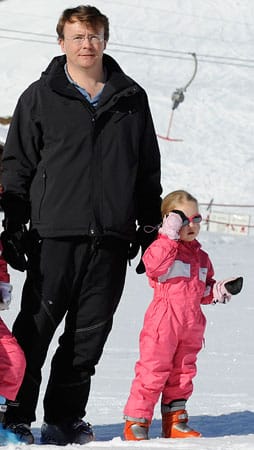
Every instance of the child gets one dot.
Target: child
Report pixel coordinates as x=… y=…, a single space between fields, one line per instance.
x=12 y=360
x=173 y=331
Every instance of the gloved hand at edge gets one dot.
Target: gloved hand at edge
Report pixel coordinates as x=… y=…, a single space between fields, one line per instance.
x=13 y=240
x=16 y=209
x=171 y=225
x=5 y=295
x=143 y=240
x=223 y=290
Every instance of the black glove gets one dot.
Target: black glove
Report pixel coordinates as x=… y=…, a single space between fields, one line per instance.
x=234 y=286
x=143 y=240
x=133 y=250
x=14 y=243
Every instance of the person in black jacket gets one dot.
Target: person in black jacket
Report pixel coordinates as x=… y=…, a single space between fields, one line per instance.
x=82 y=169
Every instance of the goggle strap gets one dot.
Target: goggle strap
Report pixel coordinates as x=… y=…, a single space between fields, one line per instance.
x=186 y=220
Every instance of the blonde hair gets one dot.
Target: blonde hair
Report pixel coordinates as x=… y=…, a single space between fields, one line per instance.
x=172 y=200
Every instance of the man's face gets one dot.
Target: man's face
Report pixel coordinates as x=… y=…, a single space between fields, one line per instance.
x=83 y=45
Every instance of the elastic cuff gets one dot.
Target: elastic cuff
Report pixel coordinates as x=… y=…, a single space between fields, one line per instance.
x=136 y=419
x=176 y=405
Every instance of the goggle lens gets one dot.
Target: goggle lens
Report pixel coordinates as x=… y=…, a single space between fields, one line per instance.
x=197 y=218
x=194 y=219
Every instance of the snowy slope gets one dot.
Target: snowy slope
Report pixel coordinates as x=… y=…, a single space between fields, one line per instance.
x=152 y=42
x=222 y=405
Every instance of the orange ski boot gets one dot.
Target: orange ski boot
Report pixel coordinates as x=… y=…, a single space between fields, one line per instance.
x=136 y=429
x=174 y=425
x=175 y=421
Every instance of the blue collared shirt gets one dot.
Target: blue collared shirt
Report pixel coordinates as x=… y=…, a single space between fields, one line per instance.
x=93 y=101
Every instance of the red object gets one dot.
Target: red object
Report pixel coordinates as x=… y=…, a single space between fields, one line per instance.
x=167 y=138
x=12 y=359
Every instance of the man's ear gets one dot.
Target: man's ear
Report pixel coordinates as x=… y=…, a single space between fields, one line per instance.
x=61 y=43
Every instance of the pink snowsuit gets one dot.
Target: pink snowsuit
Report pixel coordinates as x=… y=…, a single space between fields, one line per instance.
x=173 y=331
x=12 y=359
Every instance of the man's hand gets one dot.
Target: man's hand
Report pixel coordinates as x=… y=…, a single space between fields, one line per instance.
x=144 y=239
x=14 y=239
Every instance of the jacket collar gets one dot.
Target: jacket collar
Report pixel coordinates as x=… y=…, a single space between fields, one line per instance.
x=117 y=84
x=192 y=245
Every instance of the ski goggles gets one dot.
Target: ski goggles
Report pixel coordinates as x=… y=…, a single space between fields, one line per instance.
x=197 y=218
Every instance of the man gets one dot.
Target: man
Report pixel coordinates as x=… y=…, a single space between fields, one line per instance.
x=82 y=166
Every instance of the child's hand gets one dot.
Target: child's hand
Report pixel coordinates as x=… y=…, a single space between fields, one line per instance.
x=5 y=295
x=223 y=290
x=171 y=225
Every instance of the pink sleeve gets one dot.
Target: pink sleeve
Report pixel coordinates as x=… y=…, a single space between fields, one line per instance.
x=159 y=256
x=208 y=294
x=4 y=275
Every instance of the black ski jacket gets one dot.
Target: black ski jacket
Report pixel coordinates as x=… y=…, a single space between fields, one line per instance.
x=83 y=171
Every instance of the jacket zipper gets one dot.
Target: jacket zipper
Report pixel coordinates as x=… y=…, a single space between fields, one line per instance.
x=44 y=180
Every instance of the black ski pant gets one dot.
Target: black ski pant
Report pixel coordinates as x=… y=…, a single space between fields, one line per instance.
x=81 y=280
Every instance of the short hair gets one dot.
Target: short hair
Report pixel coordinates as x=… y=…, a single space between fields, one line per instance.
x=172 y=200
x=83 y=13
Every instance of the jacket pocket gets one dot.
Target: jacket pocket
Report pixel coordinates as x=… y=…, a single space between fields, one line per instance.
x=38 y=192
x=119 y=115
x=203 y=274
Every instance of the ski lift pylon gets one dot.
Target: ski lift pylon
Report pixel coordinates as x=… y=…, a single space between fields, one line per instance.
x=177 y=98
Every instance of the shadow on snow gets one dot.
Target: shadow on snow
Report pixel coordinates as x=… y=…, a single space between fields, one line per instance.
x=233 y=424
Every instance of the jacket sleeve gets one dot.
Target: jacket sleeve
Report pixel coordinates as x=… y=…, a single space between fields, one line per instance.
x=208 y=294
x=4 y=275
x=149 y=173
x=159 y=256
x=20 y=158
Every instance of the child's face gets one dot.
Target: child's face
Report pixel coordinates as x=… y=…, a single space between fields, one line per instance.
x=189 y=232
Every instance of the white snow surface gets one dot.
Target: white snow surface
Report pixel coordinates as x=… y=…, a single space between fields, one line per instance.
x=152 y=41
